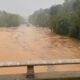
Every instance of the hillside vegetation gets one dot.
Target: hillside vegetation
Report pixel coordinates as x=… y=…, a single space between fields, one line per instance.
x=62 y=19
x=10 y=20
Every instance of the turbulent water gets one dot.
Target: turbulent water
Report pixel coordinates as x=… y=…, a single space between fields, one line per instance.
x=35 y=43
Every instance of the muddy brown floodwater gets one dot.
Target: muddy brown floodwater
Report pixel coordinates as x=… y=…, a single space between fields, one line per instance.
x=35 y=43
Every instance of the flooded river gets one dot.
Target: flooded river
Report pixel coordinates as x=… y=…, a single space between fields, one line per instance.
x=34 y=43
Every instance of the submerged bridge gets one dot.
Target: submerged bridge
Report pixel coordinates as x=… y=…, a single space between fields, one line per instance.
x=53 y=75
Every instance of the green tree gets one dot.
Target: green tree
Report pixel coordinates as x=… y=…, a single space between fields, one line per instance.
x=9 y=20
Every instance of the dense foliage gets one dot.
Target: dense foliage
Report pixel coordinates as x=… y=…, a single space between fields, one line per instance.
x=9 y=20
x=62 y=19
x=40 y=18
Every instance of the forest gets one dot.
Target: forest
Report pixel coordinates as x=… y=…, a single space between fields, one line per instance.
x=62 y=19
x=9 y=19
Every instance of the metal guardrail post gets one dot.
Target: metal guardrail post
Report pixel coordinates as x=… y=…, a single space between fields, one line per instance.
x=30 y=71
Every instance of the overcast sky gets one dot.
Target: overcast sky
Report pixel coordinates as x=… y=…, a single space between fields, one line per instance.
x=26 y=7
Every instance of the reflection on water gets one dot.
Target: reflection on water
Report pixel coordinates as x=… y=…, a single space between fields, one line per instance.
x=34 y=43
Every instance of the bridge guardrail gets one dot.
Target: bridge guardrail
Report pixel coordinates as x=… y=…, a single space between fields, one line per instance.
x=30 y=64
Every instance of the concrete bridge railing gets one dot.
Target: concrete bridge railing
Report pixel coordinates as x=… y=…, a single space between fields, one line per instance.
x=30 y=64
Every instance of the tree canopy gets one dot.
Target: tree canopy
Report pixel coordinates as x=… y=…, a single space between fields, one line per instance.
x=62 y=19
x=9 y=20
